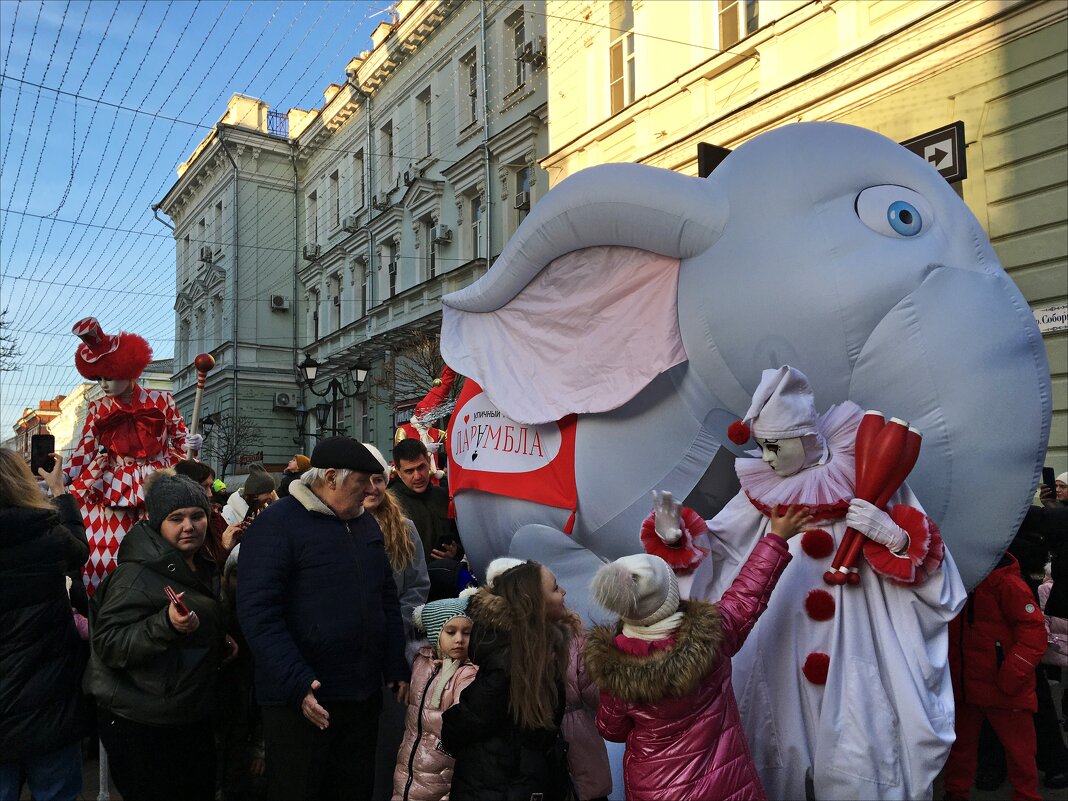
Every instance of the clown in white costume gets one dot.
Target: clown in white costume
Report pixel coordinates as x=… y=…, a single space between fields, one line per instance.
x=844 y=690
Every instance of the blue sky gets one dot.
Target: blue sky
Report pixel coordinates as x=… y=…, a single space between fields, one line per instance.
x=130 y=88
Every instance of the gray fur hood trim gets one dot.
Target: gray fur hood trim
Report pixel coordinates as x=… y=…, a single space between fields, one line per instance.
x=671 y=673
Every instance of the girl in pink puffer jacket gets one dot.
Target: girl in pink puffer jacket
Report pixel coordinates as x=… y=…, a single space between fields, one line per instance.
x=665 y=673
x=440 y=671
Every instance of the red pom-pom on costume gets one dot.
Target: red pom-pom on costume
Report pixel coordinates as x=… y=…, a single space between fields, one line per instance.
x=684 y=555
x=816 y=667
x=819 y=604
x=738 y=432
x=817 y=543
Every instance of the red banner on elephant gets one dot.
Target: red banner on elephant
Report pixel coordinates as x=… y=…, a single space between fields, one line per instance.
x=492 y=453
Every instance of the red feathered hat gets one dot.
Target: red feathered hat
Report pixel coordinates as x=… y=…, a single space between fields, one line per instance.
x=123 y=355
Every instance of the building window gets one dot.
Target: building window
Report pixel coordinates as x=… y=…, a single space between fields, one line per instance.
x=335 y=199
x=392 y=266
x=217 y=314
x=358 y=199
x=216 y=226
x=737 y=19
x=519 y=38
x=365 y=283
x=183 y=342
x=621 y=54
x=313 y=218
x=186 y=259
x=315 y=315
x=477 y=251
x=429 y=248
x=523 y=180
x=425 y=118
x=469 y=82
x=385 y=148
x=335 y=300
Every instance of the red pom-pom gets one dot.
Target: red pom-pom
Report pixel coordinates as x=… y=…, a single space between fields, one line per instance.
x=817 y=543
x=820 y=605
x=816 y=667
x=738 y=432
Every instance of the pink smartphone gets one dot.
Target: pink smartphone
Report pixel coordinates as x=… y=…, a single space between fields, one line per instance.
x=182 y=609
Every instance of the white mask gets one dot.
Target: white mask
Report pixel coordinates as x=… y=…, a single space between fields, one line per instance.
x=114 y=387
x=785 y=456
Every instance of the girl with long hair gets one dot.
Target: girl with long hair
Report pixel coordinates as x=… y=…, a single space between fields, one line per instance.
x=404 y=550
x=505 y=730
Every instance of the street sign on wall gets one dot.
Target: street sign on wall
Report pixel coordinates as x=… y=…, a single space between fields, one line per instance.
x=943 y=149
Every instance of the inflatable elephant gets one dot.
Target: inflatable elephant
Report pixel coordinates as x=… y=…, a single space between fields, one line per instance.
x=647 y=303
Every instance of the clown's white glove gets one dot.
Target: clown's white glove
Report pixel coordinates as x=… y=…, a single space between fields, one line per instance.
x=193 y=442
x=876 y=525
x=668 y=520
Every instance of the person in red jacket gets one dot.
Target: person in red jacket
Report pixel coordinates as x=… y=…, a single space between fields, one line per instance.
x=994 y=645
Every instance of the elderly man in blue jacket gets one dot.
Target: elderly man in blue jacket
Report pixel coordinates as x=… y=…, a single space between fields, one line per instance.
x=318 y=605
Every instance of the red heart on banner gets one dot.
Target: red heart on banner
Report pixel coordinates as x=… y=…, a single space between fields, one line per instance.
x=467 y=418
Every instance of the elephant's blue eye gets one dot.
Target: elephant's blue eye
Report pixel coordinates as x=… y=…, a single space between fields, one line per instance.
x=904 y=218
x=894 y=211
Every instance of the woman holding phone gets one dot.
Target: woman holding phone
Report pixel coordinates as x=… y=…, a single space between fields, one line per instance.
x=154 y=662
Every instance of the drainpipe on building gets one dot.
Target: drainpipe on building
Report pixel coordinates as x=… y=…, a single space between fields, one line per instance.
x=487 y=216
x=296 y=266
x=234 y=244
x=160 y=220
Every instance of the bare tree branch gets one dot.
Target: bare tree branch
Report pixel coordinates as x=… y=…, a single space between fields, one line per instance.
x=409 y=371
x=231 y=438
x=9 y=350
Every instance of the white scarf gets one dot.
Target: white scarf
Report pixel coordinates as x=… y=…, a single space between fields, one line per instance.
x=655 y=631
x=449 y=666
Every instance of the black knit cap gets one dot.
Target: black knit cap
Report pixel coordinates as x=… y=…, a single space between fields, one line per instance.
x=344 y=453
x=167 y=493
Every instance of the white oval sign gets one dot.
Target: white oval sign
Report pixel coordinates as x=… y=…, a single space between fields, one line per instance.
x=484 y=439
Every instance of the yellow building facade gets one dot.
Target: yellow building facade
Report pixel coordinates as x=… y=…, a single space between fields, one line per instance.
x=644 y=81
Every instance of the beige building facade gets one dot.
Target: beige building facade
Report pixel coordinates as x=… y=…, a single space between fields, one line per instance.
x=635 y=80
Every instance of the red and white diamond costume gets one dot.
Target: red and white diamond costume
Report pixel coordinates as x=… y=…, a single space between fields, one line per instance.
x=122 y=443
x=846 y=684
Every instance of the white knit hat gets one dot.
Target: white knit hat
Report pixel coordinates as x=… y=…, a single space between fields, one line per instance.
x=641 y=589
x=500 y=565
x=378 y=457
x=783 y=405
x=1063 y=477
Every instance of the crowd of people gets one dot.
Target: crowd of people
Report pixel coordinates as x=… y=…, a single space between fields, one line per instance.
x=324 y=637
x=325 y=663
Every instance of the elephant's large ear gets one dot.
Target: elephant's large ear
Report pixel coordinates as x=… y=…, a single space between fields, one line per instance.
x=580 y=312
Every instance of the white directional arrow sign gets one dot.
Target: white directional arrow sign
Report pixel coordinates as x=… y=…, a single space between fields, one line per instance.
x=943 y=149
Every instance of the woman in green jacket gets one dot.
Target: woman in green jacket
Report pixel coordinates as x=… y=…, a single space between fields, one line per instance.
x=153 y=665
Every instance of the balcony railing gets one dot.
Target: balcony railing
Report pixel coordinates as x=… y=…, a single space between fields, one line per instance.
x=278 y=124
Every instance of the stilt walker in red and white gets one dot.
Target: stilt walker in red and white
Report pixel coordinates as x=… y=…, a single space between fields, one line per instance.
x=129 y=434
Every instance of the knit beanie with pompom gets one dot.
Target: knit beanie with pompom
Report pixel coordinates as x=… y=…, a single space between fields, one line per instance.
x=641 y=589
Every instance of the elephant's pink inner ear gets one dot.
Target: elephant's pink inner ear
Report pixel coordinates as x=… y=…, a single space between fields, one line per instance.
x=586 y=335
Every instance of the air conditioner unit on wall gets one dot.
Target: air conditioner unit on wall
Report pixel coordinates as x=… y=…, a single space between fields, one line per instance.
x=351 y=224
x=337 y=300
x=532 y=52
x=285 y=400
x=522 y=200
x=312 y=252
x=441 y=234
x=206 y=253
x=279 y=303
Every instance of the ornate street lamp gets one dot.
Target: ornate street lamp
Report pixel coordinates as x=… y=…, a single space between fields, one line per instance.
x=307 y=372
